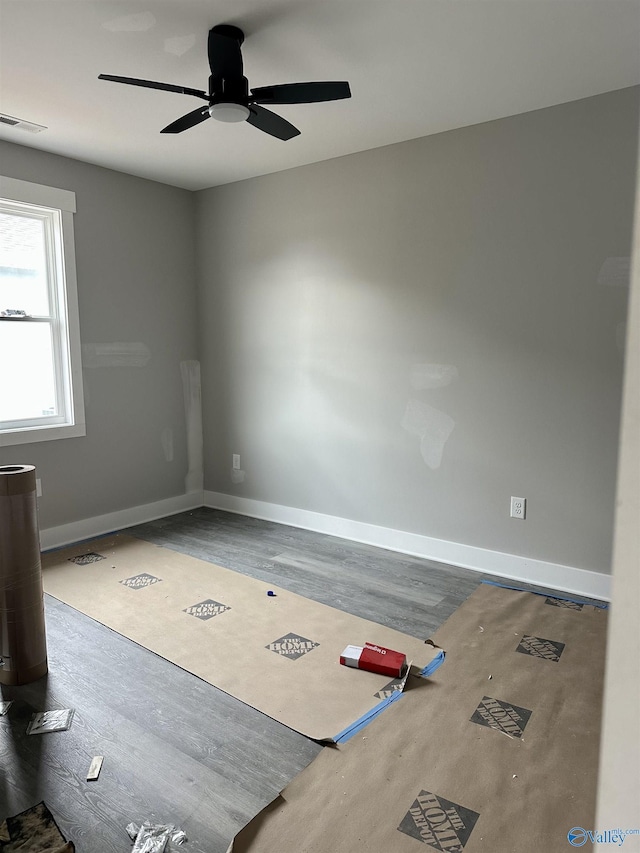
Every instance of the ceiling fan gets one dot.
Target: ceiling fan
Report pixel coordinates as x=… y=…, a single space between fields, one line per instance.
x=229 y=97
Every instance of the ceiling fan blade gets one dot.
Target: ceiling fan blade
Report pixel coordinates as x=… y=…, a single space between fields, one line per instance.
x=271 y=123
x=150 y=84
x=185 y=122
x=301 y=93
x=223 y=47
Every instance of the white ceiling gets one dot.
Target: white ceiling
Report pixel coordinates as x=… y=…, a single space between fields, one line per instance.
x=415 y=67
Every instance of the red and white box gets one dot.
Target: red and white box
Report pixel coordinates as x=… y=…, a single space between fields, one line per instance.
x=374 y=658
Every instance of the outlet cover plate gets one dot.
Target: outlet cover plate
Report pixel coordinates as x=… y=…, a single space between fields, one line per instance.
x=518 y=508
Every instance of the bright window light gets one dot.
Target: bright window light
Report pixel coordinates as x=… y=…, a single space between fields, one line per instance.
x=39 y=331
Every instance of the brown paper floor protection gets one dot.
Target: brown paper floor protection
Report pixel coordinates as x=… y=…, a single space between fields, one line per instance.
x=278 y=654
x=501 y=758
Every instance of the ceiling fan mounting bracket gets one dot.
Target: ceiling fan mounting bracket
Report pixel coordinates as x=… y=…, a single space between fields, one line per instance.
x=229 y=31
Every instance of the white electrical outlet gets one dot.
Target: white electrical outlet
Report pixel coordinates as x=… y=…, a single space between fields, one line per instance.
x=236 y=461
x=38 y=488
x=518 y=507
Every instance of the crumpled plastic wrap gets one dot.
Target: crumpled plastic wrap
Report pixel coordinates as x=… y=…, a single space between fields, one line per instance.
x=50 y=721
x=155 y=838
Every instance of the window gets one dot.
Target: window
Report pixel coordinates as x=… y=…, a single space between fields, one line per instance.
x=41 y=392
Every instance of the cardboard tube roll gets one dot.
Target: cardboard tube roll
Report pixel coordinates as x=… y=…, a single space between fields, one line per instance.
x=23 y=646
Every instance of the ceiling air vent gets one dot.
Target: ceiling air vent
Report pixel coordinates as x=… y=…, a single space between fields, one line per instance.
x=21 y=124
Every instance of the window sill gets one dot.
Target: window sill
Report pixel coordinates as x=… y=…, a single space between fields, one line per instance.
x=29 y=436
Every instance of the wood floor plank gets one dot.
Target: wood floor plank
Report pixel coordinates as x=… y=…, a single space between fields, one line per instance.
x=177 y=749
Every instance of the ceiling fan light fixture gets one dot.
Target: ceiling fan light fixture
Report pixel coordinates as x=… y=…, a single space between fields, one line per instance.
x=229 y=112
x=229 y=97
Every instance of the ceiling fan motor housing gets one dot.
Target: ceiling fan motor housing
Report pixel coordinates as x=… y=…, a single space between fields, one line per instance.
x=228 y=90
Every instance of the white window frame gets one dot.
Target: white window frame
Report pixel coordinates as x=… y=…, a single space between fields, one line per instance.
x=56 y=206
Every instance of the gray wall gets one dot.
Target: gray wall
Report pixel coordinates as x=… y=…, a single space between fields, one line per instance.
x=410 y=335
x=136 y=283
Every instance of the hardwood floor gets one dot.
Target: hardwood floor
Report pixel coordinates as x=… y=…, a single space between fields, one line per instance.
x=177 y=750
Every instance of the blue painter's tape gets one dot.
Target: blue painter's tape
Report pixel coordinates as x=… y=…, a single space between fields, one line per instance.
x=435 y=664
x=601 y=605
x=365 y=719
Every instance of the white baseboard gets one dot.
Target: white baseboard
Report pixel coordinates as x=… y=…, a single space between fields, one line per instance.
x=87 y=528
x=513 y=567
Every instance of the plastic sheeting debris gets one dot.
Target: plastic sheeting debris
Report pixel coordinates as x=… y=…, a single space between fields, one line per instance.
x=155 y=838
x=50 y=721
